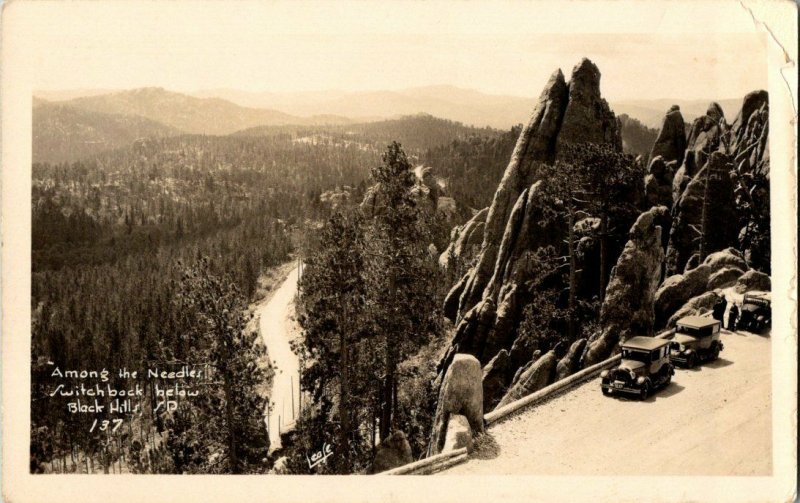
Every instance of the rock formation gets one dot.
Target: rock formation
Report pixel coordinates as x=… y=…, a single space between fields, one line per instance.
x=394 y=451
x=496 y=374
x=491 y=294
x=658 y=182
x=537 y=376
x=570 y=363
x=676 y=290
x=461 y=393
x=627 y=309
x=705 y=216
x=463 y=238
x=753 y=280
x=671 y=142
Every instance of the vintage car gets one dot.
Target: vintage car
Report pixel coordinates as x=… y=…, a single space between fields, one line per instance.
x=696 y=340
x=645 y=366
x=756 y=311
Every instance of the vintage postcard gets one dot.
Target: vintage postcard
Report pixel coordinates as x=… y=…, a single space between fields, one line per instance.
x=399 y=251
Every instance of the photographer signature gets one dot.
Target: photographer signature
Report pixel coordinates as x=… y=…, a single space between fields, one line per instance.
x=320 y=456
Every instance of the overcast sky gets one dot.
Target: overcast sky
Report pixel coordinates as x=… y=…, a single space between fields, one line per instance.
x=499 y=48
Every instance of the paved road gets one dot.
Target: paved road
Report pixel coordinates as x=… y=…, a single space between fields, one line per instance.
x=712 y=420
x=277 y=329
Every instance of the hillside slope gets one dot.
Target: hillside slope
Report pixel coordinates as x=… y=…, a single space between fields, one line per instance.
x=63 y=133
x=190 y=114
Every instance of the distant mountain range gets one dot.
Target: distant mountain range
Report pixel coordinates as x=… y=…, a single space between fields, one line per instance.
x=71 y=124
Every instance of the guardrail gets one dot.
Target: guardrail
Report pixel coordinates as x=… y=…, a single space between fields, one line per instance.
x=430 y=465
x=545 y=392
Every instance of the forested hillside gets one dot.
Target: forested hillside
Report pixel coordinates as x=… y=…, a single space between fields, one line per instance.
x=415 y=132
x=115 y=235
x=64 y=133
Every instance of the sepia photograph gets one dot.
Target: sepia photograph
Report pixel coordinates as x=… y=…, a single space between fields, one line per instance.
x=285 y=239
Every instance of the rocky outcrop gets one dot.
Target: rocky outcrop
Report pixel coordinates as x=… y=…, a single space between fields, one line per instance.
x=536 y=144
x=537 y=376
x=588 y=118
x=496 y=376
x=658 y=182
x=571 y=361
x=676 y=290
x=461 y=393
x=707 y=210
x=627 y=309
x=671 y=142
x=696 y=306
x=464 y=238
x=565 y=113
x=724 y=278
x=753 y=280
x=492 y=294
x=392 y=452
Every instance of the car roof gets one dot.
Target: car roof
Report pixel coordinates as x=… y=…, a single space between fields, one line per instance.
x=646 y=343
x=697 y=321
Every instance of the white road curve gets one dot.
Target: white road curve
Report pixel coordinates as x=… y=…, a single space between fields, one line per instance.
x=712 y=420
x=278 y=328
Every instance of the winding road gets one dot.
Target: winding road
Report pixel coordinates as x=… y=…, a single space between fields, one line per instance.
x=715 y=419
x=278 y=327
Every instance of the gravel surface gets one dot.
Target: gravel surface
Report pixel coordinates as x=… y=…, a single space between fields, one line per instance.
x=712 y=420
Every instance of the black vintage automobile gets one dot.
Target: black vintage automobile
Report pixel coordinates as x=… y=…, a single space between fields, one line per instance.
x=645 y=366
x=696 y=340
x=756 y=311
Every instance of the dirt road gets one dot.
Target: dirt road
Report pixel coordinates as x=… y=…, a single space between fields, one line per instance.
x=277 y=329
x=712 y=420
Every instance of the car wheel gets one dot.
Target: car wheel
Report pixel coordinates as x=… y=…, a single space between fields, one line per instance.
x=645 y=391
x=715 y=352
x=606 y=392
x=691 y=362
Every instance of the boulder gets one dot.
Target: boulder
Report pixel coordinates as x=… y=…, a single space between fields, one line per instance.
x=627 y=308
x=723 y=278
x=571 y=361
x=670 y=144
x=536 y=377
x=392 y=452
x=461 y=393
x=699 y=305
x=753 y=280
x=676 y=290
x=458 y=435
x=496 y=375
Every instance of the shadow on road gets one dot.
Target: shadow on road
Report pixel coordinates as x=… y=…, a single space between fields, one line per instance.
x=671 y=389
x=486 y=447
x=718 y=363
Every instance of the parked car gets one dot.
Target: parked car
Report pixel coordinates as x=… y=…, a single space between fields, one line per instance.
x=756 y=311
x=645 y=367
x=696 y=340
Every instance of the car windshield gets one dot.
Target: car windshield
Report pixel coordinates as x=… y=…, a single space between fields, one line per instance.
x=635 y=354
